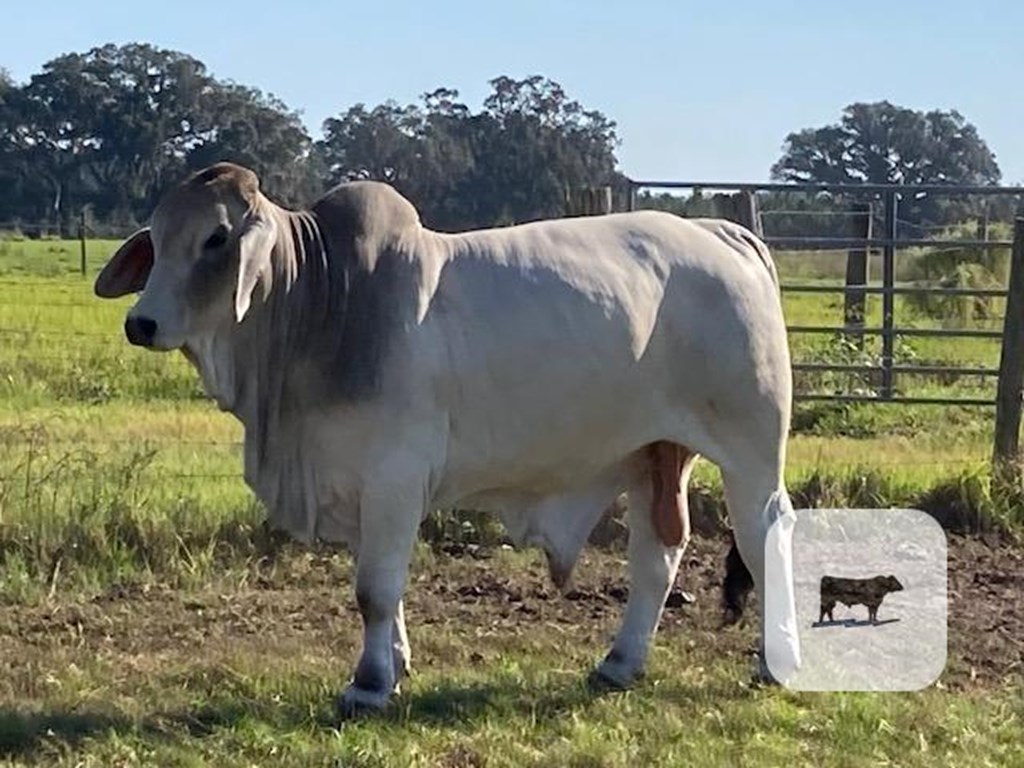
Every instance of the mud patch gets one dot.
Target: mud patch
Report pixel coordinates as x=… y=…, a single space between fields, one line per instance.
x=307 y=601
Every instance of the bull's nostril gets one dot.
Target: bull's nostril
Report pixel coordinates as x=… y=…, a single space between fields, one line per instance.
x=140 y=331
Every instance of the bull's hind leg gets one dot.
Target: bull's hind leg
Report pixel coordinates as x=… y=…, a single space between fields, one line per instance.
x=653 y=563
x=736 y=586
x=756 y=499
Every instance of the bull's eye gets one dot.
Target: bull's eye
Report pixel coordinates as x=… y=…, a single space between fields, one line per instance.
x=216 y=240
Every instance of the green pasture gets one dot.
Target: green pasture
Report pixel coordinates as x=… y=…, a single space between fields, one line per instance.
x=111 y=455
x=114 y=470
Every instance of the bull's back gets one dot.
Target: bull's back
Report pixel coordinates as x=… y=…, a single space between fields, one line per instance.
x=597 y=333
x=618 y=287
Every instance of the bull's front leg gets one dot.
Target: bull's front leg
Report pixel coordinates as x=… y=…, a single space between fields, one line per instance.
x=388 y=523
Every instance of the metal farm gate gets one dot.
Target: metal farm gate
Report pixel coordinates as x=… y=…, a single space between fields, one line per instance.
x=874 y=231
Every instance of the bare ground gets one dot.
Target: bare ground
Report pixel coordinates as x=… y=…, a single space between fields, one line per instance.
x=306 y=602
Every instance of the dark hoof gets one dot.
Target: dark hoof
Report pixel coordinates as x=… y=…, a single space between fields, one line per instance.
x=598 y=682
x=731 y=617
x=762 y=676
x=356 y=704
x=613 y=674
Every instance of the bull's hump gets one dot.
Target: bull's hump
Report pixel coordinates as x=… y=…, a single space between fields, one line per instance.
x=367 y=208
x=225 y=172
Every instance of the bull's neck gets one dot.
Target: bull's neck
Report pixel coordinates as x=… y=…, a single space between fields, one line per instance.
x=247 y=376
x=211 y=356
x=262 y=380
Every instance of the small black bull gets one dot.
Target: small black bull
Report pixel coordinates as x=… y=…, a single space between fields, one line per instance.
x=738 y=584
x=851 y=592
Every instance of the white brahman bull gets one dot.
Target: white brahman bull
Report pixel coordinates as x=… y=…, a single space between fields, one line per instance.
x=382 y=370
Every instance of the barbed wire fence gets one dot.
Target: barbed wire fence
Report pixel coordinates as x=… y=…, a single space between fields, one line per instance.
x=56 y=336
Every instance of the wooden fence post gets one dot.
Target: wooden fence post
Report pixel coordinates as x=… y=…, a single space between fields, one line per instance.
x=1005 y=453
x=857 y=274
x=588 y=201
x=82 y=238
x=746 y=212
x=888 y=297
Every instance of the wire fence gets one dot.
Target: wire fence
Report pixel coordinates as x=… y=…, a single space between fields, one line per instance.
x=847 y=348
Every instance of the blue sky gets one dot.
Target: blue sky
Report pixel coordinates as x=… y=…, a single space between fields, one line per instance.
x=700 y=90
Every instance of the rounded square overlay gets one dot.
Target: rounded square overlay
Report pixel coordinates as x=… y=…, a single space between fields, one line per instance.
x=844 y=563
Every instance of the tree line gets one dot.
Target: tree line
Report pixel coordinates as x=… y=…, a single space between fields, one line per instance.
x=107 y=130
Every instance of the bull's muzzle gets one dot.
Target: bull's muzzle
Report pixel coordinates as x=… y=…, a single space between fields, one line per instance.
x=140 y=330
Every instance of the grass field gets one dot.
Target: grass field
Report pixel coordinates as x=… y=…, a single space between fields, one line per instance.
x=149 y=618
x=242 y=671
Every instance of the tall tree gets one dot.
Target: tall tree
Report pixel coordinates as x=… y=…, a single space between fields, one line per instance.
x=882 y=143
x=511 y=161
x=47 y=133
x=245 y=126
x=382 y=143
x=539 y=143
x=113 y=126
x=11 y=194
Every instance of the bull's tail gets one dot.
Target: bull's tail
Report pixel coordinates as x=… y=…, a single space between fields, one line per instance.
x=761 y=248
x=738 y=236
x=766 y=257
x=736 y=586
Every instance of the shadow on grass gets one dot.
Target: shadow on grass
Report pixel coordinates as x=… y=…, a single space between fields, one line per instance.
x=34 y=735
x=445 y=705
x=461 y=704
x=22 y=733
x=454 y=704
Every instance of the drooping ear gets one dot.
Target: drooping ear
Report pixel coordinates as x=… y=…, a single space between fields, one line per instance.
x=255 y=245
x=128 y=269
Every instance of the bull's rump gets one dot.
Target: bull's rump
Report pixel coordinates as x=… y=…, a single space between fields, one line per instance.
x=579 y=341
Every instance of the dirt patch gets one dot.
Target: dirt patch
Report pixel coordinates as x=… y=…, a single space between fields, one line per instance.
x=308 y=600
x=986 y=612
